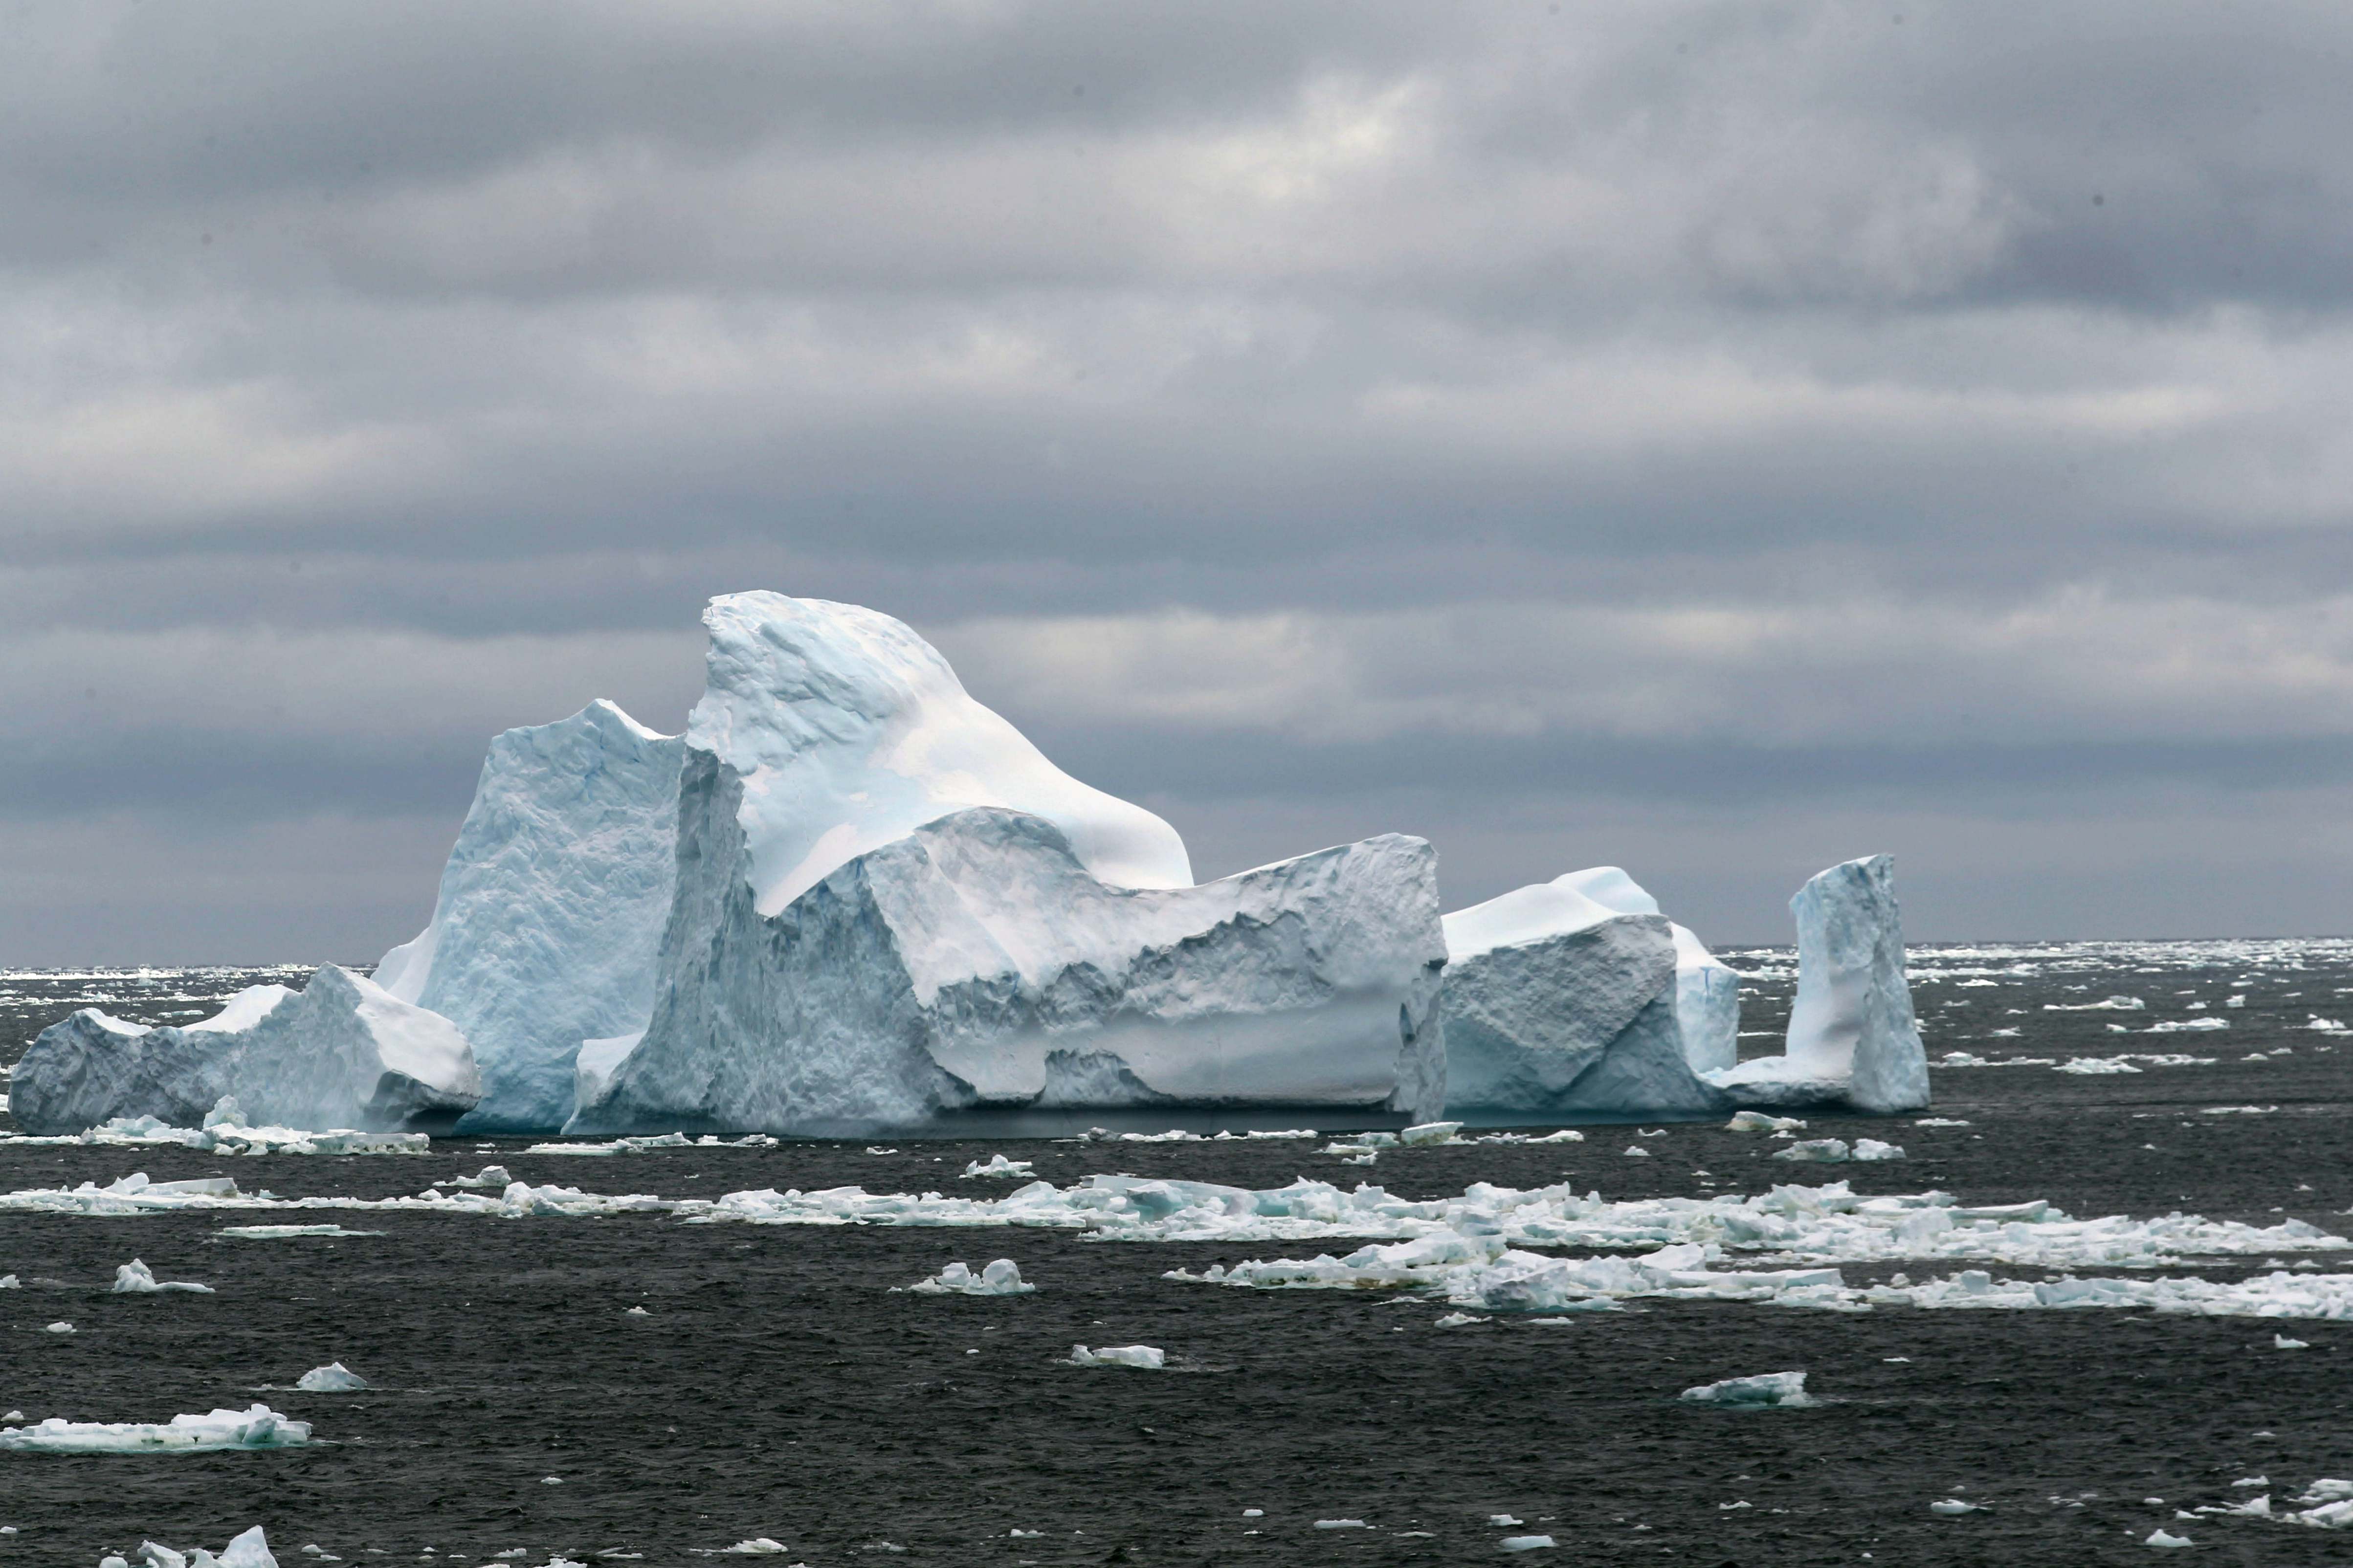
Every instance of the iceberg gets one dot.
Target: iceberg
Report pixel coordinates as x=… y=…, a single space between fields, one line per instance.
x=340 y=1053
x=892 y=914
x=551 y=909
x=1146 y=1358
x=256 y=1427
x=1002 y=1278
x=332 y=1378
x=1556 y=1003
x=1851 y=1037
x=250 y=1550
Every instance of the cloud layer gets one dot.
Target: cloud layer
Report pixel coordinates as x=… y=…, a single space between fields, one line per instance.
x=1713 y=439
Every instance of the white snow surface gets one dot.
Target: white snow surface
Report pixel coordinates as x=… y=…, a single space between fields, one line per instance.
x=256 y=1426
x=849 y=732
x=342 y=1053
x=551 y=908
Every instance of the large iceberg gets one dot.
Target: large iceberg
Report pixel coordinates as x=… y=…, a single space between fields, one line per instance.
x=551 y=908
x=1852 y=1038
x=1558 y=1003
x=341 y=1052
x=893 y=912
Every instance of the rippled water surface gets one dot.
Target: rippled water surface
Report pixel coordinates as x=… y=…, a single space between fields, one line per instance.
x=774 y=1385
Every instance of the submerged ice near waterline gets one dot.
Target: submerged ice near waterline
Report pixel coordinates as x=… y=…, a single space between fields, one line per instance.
x=852 y=900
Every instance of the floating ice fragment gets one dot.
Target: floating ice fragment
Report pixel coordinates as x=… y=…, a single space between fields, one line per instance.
x=636 y=1312
x=2281 y=1341
x=2186 y=1026
x=488 y=1176
x=1428 y=1135
x=1939 y=1121
x=1253 y=1513
x=1503 y=1520
x=286 y=1232
x=2158 y=1537
x=60 y=1327
x=1953 y=1505
x=1637 y=1152
x=1147 y=1358
x=1342 y=1524
x=135 y=1278
x=757 y=1546
x=999 y=1165
x=2090 y=1065
x=332 y=1378
x=1759 y=1121
x=1784 y=1390
x=257 y=1427
x=1525 y=1542
x=1825 y=1151
x=1457 y=1321
x=1002 y=1278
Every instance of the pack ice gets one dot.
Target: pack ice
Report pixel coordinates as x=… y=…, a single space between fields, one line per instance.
x=551 y=908
x=340 y=1053
x=893 y=913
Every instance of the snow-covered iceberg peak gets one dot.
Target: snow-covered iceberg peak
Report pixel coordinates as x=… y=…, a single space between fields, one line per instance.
x=849 y=730
x=551 y=909
x=1853 y=1017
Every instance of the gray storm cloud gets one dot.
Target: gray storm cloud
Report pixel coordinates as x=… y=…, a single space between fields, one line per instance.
x=1717 y=438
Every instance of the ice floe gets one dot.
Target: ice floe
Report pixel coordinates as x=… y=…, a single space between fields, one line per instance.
x=999 y=1165
x=1147 y=1358
x=135 y=1278
x=250 y=1550
x=224 y=1132
x=1783 y=1390
x=1834 y=1150
x=1002 y=1278
x=256 y=1427
x=332 y=1378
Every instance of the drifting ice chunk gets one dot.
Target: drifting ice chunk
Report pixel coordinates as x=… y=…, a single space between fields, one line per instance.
x=1759 y=1121
x=1852 y=1034
x=332 y=1378
x=1150 y=1358
x=551 y=908
x=999 y=1165
x=250 y=1550
x=256 y=1427
x=135 y=1278
x=342 y=1053
x=1786 y=1390
x=1002 y=1278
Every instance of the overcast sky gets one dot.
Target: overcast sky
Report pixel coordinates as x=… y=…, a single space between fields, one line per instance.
x=1717 y=440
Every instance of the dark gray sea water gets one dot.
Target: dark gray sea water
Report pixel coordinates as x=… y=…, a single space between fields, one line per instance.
x=775 y=1387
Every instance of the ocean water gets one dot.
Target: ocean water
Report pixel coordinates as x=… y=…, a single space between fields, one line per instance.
x=775 y=1385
